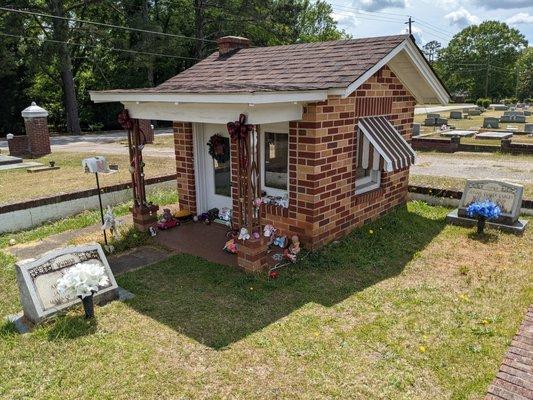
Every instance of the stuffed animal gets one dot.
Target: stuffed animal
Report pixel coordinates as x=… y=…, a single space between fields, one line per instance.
x=231 y=246
x=243 y=234
x=281 y=241
x=268 y=230
x=292 y=252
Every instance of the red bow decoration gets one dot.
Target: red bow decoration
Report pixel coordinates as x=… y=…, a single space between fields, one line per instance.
x=124 y=120
x=239 y=129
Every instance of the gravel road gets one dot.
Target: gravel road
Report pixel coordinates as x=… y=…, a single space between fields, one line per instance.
x=518 y=169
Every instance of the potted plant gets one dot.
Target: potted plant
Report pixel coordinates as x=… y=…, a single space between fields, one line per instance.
x=483 y=211
x=83 y=280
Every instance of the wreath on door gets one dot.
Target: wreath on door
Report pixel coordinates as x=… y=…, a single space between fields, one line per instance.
x=219 y=148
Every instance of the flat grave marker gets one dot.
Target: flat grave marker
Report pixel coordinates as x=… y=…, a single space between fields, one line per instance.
x=457 y=133
x=494 y=135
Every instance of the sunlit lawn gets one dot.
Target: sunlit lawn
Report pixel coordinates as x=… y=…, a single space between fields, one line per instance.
x=406 y=308
x=19 y=185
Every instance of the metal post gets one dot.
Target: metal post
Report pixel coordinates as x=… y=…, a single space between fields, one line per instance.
x=101 y=207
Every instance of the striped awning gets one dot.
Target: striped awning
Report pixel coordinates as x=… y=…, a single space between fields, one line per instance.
x=381 y=146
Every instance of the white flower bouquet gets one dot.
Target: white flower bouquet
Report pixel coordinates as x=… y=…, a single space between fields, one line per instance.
x=82 y=281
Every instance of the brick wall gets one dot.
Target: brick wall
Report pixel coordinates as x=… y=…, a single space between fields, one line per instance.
x=445 y=145
x=322 y=149
x=18 y=146
x=38 y=136
x=183 y=148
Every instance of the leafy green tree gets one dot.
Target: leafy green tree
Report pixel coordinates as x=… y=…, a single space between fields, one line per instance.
x=524 y=66
x=481 y=60
x=431 y=50
x=62 y=58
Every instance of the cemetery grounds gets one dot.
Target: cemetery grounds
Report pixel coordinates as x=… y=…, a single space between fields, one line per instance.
x=406 y=307
x=455 y=161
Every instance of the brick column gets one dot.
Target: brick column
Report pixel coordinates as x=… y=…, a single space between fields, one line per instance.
x=36 y=123
x=145 y=125
x=183 y=148
x=252 y=255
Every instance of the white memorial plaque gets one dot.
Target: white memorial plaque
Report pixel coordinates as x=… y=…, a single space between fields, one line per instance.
x=37 y=280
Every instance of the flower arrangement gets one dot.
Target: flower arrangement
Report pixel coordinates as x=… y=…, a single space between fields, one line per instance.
x=482 y=211
x=82 y=281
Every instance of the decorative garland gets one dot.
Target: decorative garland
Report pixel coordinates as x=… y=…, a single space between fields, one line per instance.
x=219 y=148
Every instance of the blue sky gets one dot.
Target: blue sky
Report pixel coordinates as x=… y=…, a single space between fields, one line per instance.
x=434 y=19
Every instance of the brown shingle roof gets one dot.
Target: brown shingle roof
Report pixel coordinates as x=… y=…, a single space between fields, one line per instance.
x=306 y=66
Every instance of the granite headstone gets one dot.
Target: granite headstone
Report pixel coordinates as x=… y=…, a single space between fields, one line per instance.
x=507 y=196
x=37 y=280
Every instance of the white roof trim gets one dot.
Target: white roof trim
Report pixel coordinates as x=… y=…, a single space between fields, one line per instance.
x=225 y=98
x=427 y=74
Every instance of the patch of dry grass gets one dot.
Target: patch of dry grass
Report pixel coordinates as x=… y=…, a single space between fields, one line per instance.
x=473 y=123
x=406 y=308
x=19 y=185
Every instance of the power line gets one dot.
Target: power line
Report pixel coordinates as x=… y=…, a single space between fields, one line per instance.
x=96 y=46
x=103 y=24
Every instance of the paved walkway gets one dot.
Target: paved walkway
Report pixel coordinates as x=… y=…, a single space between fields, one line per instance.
x=88 y=141
x=514 y=380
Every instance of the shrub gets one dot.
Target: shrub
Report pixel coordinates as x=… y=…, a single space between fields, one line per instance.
x=509 y=101
x=483 y=102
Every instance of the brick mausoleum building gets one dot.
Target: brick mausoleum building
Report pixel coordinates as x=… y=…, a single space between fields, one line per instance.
x=332 y=122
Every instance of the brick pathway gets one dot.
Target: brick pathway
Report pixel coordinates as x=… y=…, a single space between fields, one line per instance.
x=514 y=380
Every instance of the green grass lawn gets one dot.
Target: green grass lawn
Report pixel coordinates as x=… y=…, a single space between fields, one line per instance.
x=159 y=196
x=405 y=308
x=18 y=185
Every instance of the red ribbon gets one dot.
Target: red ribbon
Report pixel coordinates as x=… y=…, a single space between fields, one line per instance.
x=124 y=120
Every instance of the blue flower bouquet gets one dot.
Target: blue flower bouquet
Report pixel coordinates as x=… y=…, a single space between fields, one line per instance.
x=483 y=211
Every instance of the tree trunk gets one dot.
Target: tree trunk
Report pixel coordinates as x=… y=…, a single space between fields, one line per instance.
x=61 y=33
x=199 y=21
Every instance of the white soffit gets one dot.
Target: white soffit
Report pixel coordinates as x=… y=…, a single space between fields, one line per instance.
x=212 y=98
x=412 y=70
x=215 y=113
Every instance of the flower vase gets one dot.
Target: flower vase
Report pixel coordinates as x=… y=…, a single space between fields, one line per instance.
x=481 y=225
x=88 y=305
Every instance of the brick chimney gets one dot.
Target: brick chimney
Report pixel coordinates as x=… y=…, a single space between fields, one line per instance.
x=228 y=44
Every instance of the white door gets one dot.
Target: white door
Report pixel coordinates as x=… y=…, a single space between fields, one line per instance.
x=217 y=174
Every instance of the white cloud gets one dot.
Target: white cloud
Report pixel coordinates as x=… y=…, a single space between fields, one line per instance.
x=417 y=33
x=376 y=5
x=520 y=18
x=461 y=18
x=346 y=19
x=503 y=4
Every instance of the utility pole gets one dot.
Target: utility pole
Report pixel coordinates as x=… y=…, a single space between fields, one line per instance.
x=409 y=23
x=487 y=73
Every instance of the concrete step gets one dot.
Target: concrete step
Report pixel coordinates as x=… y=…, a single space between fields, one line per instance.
x=8 y=160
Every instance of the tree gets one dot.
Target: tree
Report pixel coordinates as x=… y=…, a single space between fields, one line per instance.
x=524 y=67
x=431 y=50
x=481 y=60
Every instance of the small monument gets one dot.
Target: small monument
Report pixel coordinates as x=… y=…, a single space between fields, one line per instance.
x=37 y=281
x=507 y=196
x=491 y=122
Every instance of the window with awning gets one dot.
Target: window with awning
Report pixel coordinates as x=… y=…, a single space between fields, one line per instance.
x=380 y=147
